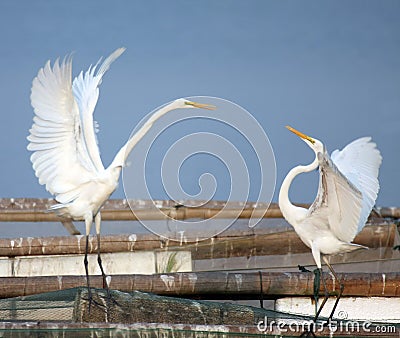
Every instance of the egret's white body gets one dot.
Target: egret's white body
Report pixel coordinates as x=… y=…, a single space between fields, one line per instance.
x=66 y=156
x=348 y=188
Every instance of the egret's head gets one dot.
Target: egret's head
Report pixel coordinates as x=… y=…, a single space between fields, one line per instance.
x=313 y=143
x=184 y=103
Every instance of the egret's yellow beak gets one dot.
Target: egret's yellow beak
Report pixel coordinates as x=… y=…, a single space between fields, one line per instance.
x=201 y=105
x=300 y=134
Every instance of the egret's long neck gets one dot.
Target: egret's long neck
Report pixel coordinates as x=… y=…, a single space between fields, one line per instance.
x=290 y=211
x=123 y=153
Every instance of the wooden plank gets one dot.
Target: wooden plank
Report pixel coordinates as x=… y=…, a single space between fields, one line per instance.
x=214 y=285
x=231 y=243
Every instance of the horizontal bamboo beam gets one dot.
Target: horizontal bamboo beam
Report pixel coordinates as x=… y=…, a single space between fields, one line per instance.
x=388 y=212
x=214 y=285
x=231 y=243
x=35 y=210
x=153 y=330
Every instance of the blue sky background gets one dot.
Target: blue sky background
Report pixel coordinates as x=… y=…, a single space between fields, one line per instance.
x=328 y=68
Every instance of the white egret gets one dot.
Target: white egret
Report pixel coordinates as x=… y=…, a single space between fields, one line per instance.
x=63 y=139
x=348 y=187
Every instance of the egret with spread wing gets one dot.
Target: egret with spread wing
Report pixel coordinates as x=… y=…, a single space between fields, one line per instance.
x=348 y=187
x=63 y=139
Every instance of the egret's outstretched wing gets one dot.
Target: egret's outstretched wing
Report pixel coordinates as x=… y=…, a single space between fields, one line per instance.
x=63 y=137
x=337 y=199
x=60 y=157
x=85 y=88
x=359 y=161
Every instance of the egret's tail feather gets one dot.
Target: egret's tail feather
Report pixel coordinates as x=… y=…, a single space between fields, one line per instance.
x=349 y=247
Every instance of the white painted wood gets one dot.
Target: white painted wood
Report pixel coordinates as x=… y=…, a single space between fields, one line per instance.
x=385 y=309
x=5 y=267
x=143 y=262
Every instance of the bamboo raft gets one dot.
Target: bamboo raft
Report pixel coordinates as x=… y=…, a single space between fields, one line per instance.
x=381 y=234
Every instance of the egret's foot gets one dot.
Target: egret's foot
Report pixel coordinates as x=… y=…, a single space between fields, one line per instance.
x=110 y=298
x=91 y=301
x=303 y=269
x=96 y=303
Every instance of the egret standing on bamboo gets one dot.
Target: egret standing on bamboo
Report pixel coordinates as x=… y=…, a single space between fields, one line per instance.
x=348 y=187
x=63 y=139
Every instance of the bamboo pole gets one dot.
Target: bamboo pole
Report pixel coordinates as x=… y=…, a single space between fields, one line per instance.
x=214 y=285
x=35 y=210
x=231 y=243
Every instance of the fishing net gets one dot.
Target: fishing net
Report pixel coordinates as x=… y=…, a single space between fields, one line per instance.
x=139 y=314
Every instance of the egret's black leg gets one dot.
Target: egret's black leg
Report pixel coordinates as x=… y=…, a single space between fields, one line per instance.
x=318 y=275
x=85 y=262
x=261 y=290
x=105 y=284
x=317 y=284
x=341 y=285
x=97 y=221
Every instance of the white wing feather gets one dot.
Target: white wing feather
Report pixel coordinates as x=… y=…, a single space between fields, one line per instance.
x=348 y=187
x=60 y=160
x=62 y=126
x=86 y=91
x=359 y=161
x=340 y=198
